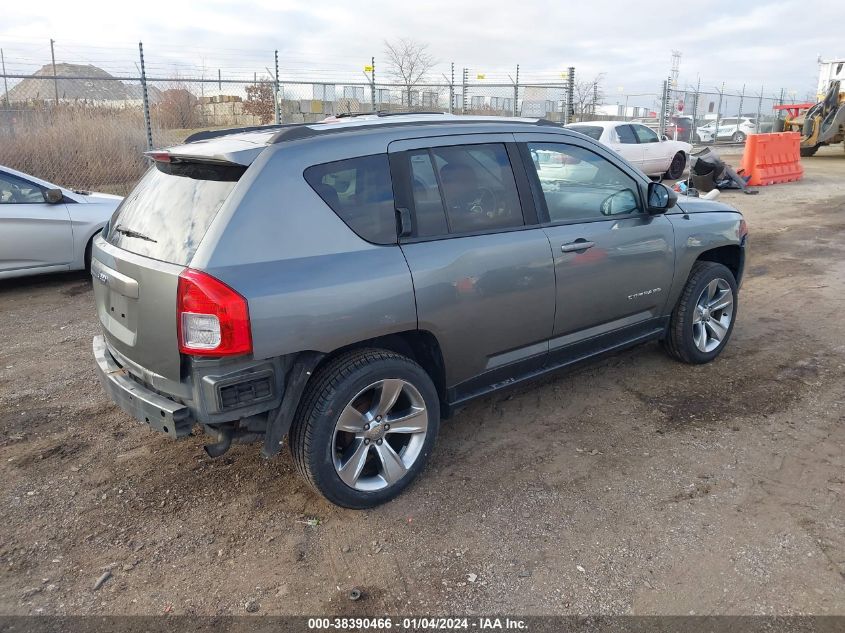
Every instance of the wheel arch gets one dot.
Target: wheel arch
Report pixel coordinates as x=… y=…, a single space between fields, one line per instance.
x=730 y=255
x=421 y=346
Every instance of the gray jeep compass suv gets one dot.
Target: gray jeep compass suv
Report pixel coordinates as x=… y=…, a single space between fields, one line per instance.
x=348 y=283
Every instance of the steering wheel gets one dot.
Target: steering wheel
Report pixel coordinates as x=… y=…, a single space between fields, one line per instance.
x=484 y=203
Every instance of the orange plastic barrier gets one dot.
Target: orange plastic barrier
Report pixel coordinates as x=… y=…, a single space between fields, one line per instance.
x=772 y=158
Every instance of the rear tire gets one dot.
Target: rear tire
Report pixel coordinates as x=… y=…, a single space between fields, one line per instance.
x=341 y=438
x=739 y=137
x=703 y=319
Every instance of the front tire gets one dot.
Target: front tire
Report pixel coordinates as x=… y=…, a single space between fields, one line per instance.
x=703 y=319
x=365 y=427
x=677 y=166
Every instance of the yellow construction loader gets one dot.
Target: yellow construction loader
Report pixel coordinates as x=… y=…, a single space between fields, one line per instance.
x=821 y=123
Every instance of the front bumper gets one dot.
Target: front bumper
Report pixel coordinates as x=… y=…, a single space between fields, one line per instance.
x=160 y=413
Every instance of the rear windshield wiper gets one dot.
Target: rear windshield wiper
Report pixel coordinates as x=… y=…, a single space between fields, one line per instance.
x=131 y=233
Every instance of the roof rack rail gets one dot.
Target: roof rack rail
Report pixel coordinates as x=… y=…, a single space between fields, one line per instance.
x=309 y=130
x=379 y=113
x=206 y=134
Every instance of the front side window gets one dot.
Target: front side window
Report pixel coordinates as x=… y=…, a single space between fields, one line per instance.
x=645 y=135
x=473 y=184
x=14 y=190
x=360 y=192
x=578 y=184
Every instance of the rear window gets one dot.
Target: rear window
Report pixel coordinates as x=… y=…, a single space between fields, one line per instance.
x=592 y=131
x=167 y=214
x=360 y=192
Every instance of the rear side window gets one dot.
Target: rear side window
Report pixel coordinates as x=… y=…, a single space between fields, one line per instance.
x=360 y=192
x=167 y=214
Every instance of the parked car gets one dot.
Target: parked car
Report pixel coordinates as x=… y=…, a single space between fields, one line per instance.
x=730 y=128
x=46 y=228
x=640 y=146
x=347 y=284
x=677 y=128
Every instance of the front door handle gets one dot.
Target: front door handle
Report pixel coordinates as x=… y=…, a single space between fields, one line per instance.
x=577 y=245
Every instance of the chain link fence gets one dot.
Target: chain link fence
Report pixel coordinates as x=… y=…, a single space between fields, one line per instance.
x=716 y=115
x=83 y=127
x=95 y=134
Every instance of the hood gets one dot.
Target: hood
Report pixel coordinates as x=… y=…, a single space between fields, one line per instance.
x=94 y=196
x=700 y=205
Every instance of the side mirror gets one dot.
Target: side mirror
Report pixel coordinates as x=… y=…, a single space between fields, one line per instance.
x=53 y=196
x=660 y=198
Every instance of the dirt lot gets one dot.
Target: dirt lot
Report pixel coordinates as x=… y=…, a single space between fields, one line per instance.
x=637 y=485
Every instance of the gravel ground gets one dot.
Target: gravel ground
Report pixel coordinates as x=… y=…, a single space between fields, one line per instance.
x=636 y=485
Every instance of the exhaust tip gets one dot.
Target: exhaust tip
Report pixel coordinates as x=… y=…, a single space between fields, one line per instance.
x=223 y=443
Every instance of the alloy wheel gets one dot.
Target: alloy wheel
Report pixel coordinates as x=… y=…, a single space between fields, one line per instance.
x=379 y=435
x=714 y=311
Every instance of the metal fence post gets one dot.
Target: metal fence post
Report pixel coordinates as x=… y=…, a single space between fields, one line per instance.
x=760 y=109
x=452 y=89
x=276 y=109
x=741 y=100
x=373 y=82
x=5 y=81
x=516 y=93
x=146 y=98
x=694 y=131
x=570 y=94
x=664 y=108
x=464 y=95
x=55 y=78
x=718 y=114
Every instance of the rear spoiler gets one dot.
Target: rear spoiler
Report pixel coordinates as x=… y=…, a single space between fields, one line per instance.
x=197 y=167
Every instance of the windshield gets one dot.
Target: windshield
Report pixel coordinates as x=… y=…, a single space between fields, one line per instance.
x=592 y=131
x=166 y=215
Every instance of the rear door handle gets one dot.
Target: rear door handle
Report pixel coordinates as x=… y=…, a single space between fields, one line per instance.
x=577 y=245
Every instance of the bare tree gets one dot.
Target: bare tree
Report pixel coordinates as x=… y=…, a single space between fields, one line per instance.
x=588 y=96
x=408 y=62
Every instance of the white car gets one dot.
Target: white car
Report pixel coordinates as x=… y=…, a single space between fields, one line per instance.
x=733 y=128
x=46 y=228
x=640 y=146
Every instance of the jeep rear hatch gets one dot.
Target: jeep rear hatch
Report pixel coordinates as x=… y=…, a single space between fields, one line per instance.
x=148 y=243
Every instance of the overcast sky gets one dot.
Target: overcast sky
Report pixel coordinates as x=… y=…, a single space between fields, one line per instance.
x=773 y=44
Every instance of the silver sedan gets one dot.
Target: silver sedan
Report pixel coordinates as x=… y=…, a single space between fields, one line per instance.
x=46 y=228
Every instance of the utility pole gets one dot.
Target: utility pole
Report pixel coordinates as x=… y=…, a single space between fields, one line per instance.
x=278 y=116
x=5 y=81
x=55 y=78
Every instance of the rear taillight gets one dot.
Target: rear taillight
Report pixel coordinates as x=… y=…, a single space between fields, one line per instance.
x=211 y=318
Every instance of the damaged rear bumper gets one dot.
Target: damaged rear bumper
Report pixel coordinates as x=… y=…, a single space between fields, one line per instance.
x=145 y=405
